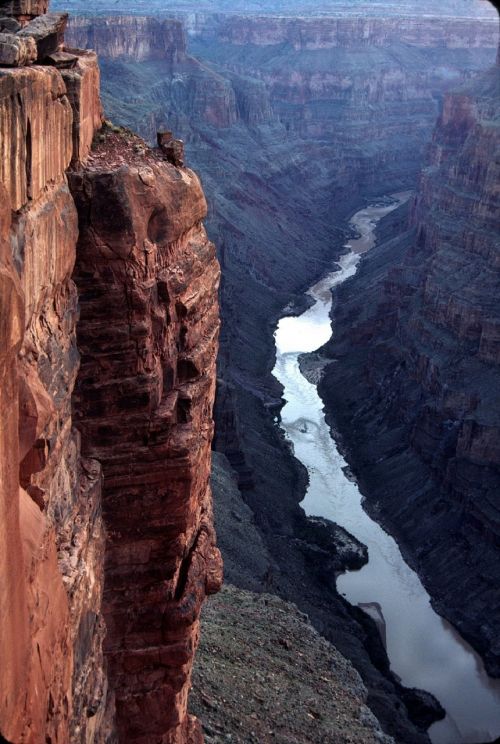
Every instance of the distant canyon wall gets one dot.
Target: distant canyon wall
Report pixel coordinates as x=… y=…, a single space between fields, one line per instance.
x=135 y=37
x=311 y=33
x=414 y=388
x=194 y=10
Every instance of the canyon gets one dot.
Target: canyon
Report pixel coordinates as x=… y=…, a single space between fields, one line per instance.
x=413 y=389
x=109 y=326
x=292 y=123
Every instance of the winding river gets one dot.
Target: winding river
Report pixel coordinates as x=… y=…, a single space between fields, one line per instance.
x=424 y=650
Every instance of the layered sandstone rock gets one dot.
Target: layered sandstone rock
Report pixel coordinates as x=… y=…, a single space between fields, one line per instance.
x=36 y=122
x=16 y=51
x=132 y=37
x=82 y=80
x=24 y=9
x=51 y=629
x=47 y=31
x=325 y=32
x=148 y=277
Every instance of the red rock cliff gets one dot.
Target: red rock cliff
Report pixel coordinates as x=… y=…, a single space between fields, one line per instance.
x=148 y=279
x=151 y=357
x=52 y=541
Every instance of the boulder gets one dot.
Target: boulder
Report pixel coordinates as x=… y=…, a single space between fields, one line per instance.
x=15 y=51
x=173 y=149
x=9 y=25
x=48 y=32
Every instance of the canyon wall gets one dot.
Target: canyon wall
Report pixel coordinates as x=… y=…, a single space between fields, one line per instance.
x=98 y=614
x=139 y=38
x=197 y=9
x=148 y=277
x=414 y=388
x=312 y=33
x=52 y=547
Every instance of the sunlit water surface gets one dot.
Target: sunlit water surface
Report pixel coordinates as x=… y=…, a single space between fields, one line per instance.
x=424 y=650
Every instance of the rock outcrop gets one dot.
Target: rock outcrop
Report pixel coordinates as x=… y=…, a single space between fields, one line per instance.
x=147 y=443
x=414 y=389
x=147 y=278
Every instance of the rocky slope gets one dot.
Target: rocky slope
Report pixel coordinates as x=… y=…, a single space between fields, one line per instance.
x=414 y=389
x=68 y=450
x=263 y=674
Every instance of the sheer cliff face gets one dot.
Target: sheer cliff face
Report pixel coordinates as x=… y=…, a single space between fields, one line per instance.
x=130 y=36
x=143 y=416
x=148 y=279
x=415 y=387
x=324 y=32
x=52 y=546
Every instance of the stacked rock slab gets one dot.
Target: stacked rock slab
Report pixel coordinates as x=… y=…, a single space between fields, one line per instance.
x=54 y=684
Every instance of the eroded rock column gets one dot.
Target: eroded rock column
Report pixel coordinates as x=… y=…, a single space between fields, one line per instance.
x=147 y=278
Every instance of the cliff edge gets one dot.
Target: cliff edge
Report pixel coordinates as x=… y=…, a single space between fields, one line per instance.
x=107 y=546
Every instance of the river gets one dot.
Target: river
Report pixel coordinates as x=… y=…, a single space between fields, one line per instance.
x=424 y=650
